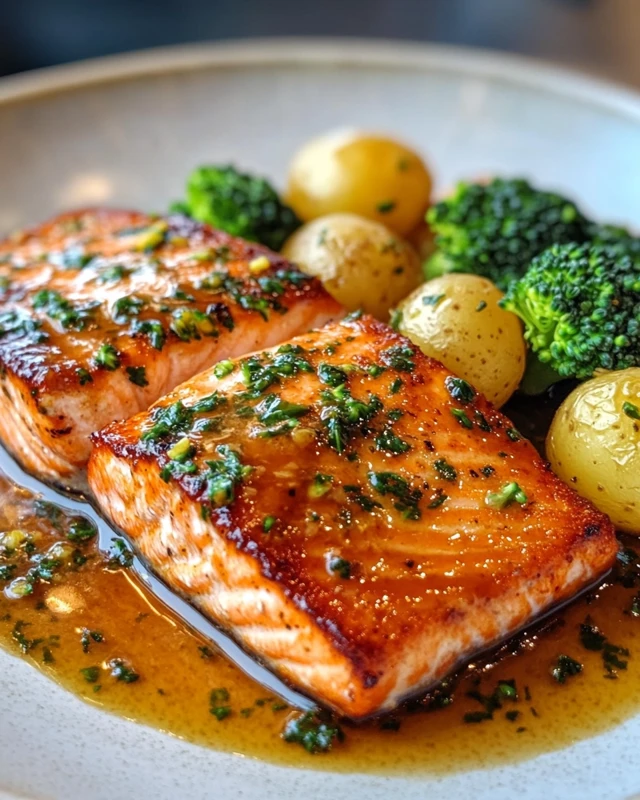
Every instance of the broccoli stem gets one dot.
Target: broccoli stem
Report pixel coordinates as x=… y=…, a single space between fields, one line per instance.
x=538 y=377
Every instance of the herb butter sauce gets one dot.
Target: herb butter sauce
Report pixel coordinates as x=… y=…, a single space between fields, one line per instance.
x=82 y=610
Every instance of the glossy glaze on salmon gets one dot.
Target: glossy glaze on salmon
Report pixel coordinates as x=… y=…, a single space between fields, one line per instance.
x=361 y=520
x=103 y=312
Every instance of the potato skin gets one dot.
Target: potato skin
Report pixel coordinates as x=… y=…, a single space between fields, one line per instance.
x=457 y=320
x=373 y=176
x=360 y=262
x=594 y=446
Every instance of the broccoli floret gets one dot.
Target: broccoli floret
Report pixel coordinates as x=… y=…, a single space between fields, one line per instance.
x=239 y=204
x=495 y=229
x=614 y=235
x=580 y=305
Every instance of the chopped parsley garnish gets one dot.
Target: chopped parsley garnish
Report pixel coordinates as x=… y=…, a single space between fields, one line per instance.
x=19 y=323
x=592 y=638
x=565 y=667
x=84 y=376
x=152 y=329
x=339 y=566
x=73 y=257
x=189 y=324
x=219 y=704
x=223 y=368
x=25 y=644
x=120 y=555
x=209 y=403
x=331 y=376
x=320 y=486
x=90 y=636
x=355 y=494
x=432 y=299
x=509 y=493
x=390 y=442
x=513 y=434
x=107 y=357
x=125 y=308
x=462 y=417
x=224 y=475
x=460 y=390
x=56 y=307
x=407 y=499
x=631 y=410
x=274 y=411
x=138 y=376
x=481 y=305
x=113 y=274
x=261 y=373
x=90 y=674
x=395 y=387
x=121 y=671
x=81 y=530
x=399 y=357
x=169 y=421
x=268 y=523
x=315 y=731
x=438 y=500
x=344 y=416
x=386 y=206
x=504 y=691
x=481 y=421
x=446 y=470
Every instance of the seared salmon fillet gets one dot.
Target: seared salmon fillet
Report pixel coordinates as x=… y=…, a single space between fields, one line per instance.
x=103 y=312
x=361 y=520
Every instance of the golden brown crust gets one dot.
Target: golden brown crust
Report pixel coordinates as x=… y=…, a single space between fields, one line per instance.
x=425 y=557
x=102 y=312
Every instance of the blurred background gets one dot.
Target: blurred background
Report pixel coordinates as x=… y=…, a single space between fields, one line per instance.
x=598 y=36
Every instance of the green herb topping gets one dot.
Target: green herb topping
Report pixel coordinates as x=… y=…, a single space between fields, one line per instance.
x=631 y=410
x=565 y=667
x=460 y=390
x=320 y=486
x=138 y=376
x=399 y=357
x=315 y=731
x=389 y=483
x=219 y=704
x=107 y=357
x=462 y=417
x=510 y=493
x=121 y=671
x=223 y=368
x=339 y=566
x=224 y=475
x=443 y=468
x=390 y=442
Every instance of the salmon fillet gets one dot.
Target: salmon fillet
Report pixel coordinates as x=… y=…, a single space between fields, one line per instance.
x=358 y=518
x=103 y=312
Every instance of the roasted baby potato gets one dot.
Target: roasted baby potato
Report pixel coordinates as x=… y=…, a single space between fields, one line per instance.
x=594 y=445
x=360 y=262
x=375 y=177
x=457 y=320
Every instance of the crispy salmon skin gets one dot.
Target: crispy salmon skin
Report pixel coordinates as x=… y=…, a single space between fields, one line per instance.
x=103 y=312
x=357 y=517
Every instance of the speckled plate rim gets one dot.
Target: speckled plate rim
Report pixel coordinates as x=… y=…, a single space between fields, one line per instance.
x=588 y=760
x=502 y=67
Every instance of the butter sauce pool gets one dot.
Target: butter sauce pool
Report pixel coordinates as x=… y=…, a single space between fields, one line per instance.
x=94 y=626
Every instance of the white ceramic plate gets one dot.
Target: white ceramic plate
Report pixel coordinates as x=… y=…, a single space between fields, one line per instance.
x=125 y=131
